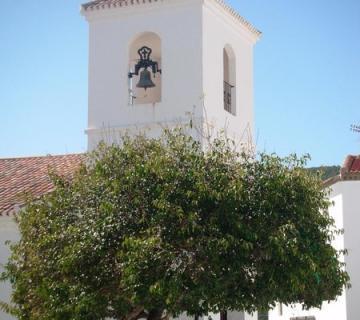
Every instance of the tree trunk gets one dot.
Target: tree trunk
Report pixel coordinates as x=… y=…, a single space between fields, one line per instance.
x=135 y=313
x=155 y=314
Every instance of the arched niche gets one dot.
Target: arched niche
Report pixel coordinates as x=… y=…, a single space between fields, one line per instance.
x=140 y=95
x=229 y=79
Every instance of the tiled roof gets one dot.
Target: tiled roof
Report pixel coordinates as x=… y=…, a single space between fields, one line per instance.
x=30 y=175
x=107 y=4
x=97 y=4
x=350 y=170
x=351 y=164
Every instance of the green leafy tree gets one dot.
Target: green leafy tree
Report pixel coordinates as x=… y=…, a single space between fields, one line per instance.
x=158 y=227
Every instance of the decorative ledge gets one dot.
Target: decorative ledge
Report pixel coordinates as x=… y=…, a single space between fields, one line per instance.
x=109 y=4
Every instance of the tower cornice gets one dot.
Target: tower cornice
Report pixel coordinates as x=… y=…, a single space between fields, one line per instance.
x=97 y=5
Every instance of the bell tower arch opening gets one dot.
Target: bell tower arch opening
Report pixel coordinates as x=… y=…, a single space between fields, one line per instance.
x=229 y=61
x=145 y=69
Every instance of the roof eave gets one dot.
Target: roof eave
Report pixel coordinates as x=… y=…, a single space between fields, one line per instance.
x=351 y=176
x=331 y=181
x=93 y=6
x=250 y=27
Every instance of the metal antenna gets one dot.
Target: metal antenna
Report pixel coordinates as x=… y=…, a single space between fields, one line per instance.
x=355 y=128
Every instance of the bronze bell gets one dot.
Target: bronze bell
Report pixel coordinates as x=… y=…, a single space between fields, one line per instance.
x=145 y=80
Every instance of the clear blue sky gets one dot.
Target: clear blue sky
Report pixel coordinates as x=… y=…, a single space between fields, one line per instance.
x=307 y=77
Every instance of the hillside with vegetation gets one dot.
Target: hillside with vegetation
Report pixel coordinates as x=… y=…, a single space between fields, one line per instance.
x=326 y=171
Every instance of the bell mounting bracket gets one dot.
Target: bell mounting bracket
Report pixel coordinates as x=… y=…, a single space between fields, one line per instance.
x=145 y=62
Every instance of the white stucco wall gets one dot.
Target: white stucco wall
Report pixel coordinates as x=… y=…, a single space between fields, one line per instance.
x=193 y=34
x=221 y=30
x=351 y=211
x=8 y=231
x=178 y=24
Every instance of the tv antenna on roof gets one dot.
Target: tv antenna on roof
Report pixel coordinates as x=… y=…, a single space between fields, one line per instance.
x=355 y=128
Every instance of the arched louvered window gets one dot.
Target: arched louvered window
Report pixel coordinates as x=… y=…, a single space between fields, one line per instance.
x=229 y=80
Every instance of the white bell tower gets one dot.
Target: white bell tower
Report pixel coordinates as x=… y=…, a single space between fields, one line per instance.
x=160 y=63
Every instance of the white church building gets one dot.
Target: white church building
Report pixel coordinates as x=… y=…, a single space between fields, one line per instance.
x=164 y=63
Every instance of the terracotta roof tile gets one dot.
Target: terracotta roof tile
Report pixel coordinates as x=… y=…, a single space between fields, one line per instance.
x=351 y=166
x=354 y=162
x=101 y=3
x=30 y=175
x=350 y=170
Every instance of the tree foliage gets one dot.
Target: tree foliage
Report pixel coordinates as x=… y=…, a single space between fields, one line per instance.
x=158 y=227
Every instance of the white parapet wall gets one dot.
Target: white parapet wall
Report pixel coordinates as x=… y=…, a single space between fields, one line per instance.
x=350 y=191
x=8 y=231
